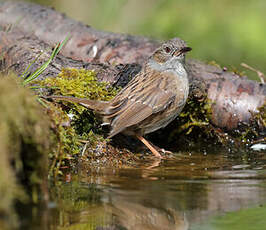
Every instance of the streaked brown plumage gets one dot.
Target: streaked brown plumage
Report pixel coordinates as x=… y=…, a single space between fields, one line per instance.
x=151 y=100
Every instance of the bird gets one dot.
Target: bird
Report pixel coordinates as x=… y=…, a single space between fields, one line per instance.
x=151 y=100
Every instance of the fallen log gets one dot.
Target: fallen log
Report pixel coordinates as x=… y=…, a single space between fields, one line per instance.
x=86 y=43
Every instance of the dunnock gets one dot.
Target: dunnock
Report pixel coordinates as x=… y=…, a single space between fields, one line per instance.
x=151 y=100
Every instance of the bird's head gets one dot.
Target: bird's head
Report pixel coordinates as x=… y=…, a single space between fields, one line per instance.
x=172 y=49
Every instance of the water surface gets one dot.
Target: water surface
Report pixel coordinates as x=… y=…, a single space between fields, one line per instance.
x=189 y=191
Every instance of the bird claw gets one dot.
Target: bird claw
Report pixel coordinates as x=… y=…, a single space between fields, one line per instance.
x=166 y=152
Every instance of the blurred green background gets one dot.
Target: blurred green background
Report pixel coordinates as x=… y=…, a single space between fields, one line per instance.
x=228 y=32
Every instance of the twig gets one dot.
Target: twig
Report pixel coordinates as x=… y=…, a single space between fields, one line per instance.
x=260 y=74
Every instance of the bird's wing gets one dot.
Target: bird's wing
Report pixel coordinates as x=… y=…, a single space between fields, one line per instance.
x=154 y=96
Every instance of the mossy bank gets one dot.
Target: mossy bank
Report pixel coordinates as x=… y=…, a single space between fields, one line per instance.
x=24 y=144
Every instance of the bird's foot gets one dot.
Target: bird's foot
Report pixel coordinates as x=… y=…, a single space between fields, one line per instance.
x=150 y=147
x=162 y=150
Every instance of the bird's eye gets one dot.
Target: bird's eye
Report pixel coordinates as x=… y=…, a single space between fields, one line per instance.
x=167 y=49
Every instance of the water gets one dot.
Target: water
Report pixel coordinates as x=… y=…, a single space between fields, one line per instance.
x=189 y=191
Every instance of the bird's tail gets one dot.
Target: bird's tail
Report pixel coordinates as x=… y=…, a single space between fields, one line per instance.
x=97 y=106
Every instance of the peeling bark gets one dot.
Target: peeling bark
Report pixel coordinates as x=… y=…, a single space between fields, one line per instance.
x=235 y=98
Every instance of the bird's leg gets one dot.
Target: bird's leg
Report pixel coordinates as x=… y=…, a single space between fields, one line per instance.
x=161 y=149
x=149 y=146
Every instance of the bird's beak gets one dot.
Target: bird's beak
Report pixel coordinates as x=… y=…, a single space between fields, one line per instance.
x=181 y=51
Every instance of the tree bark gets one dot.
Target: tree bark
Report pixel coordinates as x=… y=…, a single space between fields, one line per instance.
x=115 y=57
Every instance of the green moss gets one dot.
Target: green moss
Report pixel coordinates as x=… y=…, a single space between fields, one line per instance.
x=65 y=137
x=253 y=131
x=83 y=127
x=80 y=83
x=260 y=116
x=195 y=114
